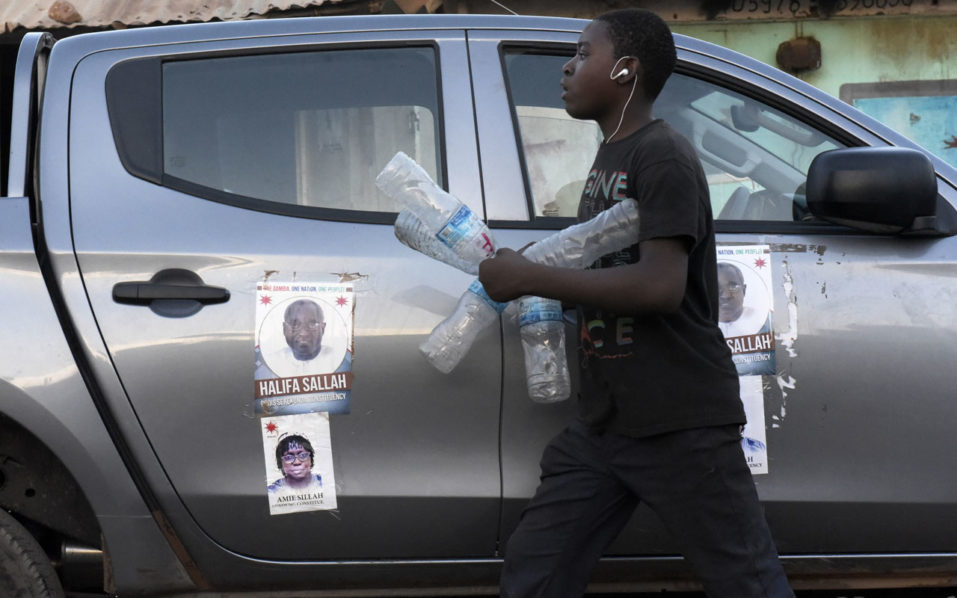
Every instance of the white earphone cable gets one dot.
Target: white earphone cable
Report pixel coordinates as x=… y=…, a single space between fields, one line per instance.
x=634 y=83
x=505 y=7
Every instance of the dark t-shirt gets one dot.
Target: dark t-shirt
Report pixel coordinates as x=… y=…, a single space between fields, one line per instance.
x=654 y=373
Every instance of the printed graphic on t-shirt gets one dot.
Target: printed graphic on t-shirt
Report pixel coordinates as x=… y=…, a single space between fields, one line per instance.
x=609 y=338
x=601 y=189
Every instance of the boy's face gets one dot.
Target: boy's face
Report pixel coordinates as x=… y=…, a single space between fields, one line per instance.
x=589 y=92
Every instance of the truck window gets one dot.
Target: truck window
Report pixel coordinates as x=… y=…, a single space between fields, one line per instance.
x=556 y=149
x=302 y=133
x=755 y=156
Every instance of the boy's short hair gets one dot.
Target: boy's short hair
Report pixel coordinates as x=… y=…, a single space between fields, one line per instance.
x=644 y=35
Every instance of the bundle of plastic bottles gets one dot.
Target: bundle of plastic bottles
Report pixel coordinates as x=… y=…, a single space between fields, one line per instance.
x=432 y=221
x=438 y=225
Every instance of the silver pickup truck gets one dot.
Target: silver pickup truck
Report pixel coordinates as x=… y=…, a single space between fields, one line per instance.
x=171 y=192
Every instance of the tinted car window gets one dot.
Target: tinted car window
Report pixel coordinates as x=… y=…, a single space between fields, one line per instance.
x=557 y=149
x=309 y=129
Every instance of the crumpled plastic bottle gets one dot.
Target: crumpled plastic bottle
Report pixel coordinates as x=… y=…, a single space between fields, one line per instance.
x=577 y=247
x=441 y=215
x=414 y=233
x=451 y=339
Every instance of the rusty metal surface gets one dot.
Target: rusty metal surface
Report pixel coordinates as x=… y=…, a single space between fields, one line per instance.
x=55 y=14
x=58 y=14
x=689 y=11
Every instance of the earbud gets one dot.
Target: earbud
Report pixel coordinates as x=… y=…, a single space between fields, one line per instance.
x=622 y=73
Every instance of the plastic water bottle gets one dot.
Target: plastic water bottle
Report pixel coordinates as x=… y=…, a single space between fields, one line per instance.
x=412 y=232
x=444 y=216
x=453 y=337
x=580 y=245
x=543 y=341
x=577 y=247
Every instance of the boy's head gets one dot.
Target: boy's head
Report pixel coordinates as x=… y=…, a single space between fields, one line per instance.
x=621 y=54
x=642 y=34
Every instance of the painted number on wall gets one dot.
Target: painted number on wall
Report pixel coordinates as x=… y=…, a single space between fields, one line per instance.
x=794 y=8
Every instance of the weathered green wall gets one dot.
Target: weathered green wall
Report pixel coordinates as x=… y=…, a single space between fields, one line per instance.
x=892 y=40
x=865 y=50
x=863 y=42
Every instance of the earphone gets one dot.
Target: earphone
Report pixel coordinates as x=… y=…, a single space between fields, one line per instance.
x=634 y=82
x=622 y=73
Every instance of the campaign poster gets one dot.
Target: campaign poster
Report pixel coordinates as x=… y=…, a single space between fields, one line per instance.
x=299 y=475
x=745 y=307
x=303 y=352
x=754 y=437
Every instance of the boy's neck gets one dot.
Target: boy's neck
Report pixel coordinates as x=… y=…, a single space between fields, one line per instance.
x=636 y=117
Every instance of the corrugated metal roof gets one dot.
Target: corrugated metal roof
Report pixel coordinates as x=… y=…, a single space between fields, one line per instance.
x=55 y=14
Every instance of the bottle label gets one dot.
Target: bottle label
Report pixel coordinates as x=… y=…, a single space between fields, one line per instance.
x=477 y=288
x=536 y=309
x=464 y=225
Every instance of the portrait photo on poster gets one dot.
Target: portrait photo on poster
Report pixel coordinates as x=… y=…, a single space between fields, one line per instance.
x=303 y=335
x=746 y=306
x=299 y=470
x=304 y=348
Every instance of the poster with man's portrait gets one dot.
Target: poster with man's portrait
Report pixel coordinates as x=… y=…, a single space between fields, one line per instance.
x=299 y=475
x=303 y=352
x=746 y=306
x=754 y=435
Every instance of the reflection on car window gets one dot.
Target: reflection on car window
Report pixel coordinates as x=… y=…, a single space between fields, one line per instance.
x=756 y=157
x=308 y=128
x=557 y=148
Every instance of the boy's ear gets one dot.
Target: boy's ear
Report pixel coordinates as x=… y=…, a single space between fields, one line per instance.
x=626 y=69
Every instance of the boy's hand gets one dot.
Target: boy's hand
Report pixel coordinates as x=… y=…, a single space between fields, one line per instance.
x=503 y=275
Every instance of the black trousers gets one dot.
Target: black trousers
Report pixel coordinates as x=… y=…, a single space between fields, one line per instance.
x=698 y=483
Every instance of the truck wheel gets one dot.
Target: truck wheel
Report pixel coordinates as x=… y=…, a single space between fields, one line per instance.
x=25 y=570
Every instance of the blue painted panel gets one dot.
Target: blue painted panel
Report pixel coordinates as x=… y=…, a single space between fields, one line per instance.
x=930 y=121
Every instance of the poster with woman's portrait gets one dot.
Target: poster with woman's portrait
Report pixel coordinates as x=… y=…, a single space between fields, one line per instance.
x=746 y=306
x=303 y=352
x=298 y=451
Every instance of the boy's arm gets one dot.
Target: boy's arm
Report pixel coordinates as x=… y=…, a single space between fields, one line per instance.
x=654 y=284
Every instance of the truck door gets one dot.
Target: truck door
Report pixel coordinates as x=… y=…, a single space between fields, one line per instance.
x=236 y=168
x=843 y=326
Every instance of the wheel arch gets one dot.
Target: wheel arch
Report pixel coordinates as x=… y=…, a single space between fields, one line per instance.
x=36 y=485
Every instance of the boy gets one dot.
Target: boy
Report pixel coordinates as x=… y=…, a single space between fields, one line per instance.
x=660 y=414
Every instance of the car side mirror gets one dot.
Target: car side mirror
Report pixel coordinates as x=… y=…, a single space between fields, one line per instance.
x=880 y=190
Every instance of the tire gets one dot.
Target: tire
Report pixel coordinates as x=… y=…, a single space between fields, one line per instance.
x=25 y=570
